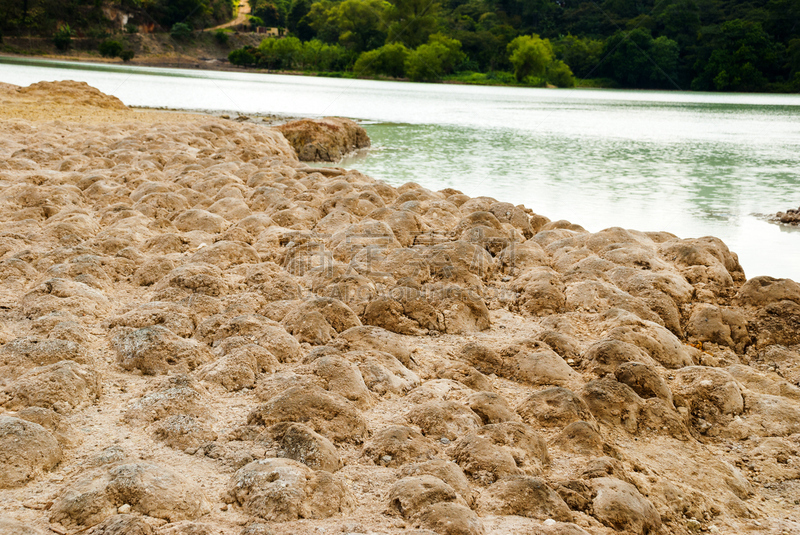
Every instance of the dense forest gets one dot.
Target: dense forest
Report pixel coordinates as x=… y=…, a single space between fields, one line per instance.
x=705 y=45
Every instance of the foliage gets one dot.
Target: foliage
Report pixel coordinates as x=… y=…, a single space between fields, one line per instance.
x=711 y=45
x=388 y=60
x=181 y=31
x=431 y=61
x=126 y=55
x=131 y=28
x=742 y=58
x=290 y=53
x=110 y=48
x=534 y=62
x=411 y=22
x=255 y=22
x=63 y=37
x=635 y=59
x=243 y=56
x=530 y=56
x=355 y=24
x=582 y=54
x=222 y=37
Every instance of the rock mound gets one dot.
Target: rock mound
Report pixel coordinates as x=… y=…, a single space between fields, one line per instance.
x=324 y=140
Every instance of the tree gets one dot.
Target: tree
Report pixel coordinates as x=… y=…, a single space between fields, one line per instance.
x=635 y=59
x=530 y=56
x=388 y=60
x=411 y=22
x=355 y=24
x=110 y=48
x=429 y=62
x=738 y=57
x=582 y=54
x=181 y=31
x=63 y=37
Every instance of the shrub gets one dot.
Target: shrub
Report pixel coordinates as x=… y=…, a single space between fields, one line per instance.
x=389 y=60
x=110 y=48
x=131 y=28
x=180 y=31
x=242 y=56
x=222 y=37
x=126 y=55
x=63 y=37
x=255 y=22
x=433 y=60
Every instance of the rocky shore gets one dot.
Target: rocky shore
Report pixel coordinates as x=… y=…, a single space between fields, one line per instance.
x=789 y=217
x=201 y=334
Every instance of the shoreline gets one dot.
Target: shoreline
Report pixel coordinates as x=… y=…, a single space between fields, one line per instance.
x=288 y=351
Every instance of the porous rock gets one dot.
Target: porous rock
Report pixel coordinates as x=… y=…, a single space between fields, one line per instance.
x=280 y=490
x=26 y=450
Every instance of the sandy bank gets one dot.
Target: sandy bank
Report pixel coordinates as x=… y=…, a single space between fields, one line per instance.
x=201 y=334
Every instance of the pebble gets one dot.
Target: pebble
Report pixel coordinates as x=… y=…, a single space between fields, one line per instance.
x=124 y=509
x=444 y=440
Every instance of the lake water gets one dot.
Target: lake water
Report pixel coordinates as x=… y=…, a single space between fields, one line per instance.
x=694 y=164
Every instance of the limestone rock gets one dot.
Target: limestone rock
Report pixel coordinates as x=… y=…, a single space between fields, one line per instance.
x=26 y=450
x=280 y=490
x=149 y=489
x=619 y=505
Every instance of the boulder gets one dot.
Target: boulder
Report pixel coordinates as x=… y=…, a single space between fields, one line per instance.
x=523 y=496
x=553 y=407
x=63 y=384
x=324 y=140
x=444 y=419
x=412 y=494
x=157 y=350
x=149 y=489
x=26 y=450
x=282 y=490
x=621 y=506
x=397 y=445
x=329 y=414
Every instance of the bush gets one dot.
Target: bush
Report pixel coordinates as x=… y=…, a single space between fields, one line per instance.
x=222 y=37
x=433 y=60
x=131 y=28
x=126 y=55
x=181 y=31
x=389 y=60
x=63 y=37
x=255 y=22
x=110 y=49
x=242 y=56
x=559 y=74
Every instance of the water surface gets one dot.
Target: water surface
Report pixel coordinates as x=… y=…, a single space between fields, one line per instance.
x=694 y=164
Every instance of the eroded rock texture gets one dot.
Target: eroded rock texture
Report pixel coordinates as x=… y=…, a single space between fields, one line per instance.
x=199 y=334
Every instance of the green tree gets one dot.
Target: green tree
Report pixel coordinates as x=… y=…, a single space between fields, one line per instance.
x=389 y=60
x=63 y=37
x=431 y=61
x=582 y=54
x=242 y=56
x=530 y=55
x=181 y=31
x=355 y=24
x=738 y=57
x=635 y=59
x=411 y=22
x=110 y=48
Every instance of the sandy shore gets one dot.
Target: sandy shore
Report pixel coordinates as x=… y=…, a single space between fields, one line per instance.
x=201 y=334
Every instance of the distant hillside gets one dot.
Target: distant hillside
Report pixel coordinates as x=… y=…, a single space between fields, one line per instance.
x=706 y=45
